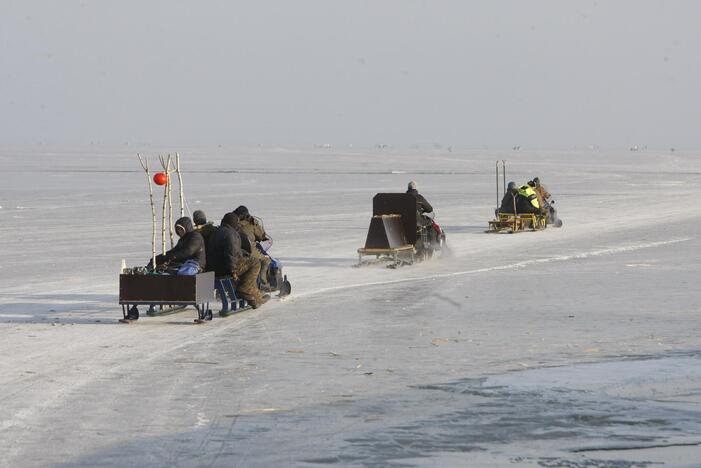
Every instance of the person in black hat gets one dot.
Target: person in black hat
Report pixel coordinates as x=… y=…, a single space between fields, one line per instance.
x=202 y=225
x=509 y=202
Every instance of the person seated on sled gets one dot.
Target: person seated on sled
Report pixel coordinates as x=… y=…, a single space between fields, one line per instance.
x=528 y=200
x=252 y=227
x=190 y=248
x=226 y=258
x=202 y=226
x=510 y=201
x=422 y=205
x=541 y=192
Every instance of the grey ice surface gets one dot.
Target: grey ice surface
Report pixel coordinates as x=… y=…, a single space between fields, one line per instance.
x=574 y=347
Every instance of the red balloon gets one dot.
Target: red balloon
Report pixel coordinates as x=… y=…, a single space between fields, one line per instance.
x=160 y=178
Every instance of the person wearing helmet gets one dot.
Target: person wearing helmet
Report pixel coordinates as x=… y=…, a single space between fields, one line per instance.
x=252 y=227
x=509 y=202
x=202 y=225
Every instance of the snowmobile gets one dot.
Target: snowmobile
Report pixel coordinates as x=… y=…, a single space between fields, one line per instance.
x=553 y=219
x=276 y=280
x=395 y=234
x=430 y=237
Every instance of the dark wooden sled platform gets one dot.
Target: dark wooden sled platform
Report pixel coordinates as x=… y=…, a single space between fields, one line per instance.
x=167 y=290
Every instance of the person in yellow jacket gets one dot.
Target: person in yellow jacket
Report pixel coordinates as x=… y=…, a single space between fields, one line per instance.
x=528 y=199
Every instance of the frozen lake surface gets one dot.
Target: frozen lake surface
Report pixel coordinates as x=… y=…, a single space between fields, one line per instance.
x=574 y=347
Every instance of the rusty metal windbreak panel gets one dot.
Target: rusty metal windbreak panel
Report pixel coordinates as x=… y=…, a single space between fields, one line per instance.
x=403 y=204
x=166 y=288
x=385 y=232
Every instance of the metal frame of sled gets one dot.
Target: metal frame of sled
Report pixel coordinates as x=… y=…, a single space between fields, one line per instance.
x=227 y=290
x=168 y=290
x=397 y=255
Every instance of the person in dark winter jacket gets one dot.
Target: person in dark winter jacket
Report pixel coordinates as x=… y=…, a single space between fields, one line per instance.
x=190 y=246
x=224 y=247
x=510 y=200
x=205 y=228
x=422 y=205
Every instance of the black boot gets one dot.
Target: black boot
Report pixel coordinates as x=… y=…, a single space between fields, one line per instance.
x=133 y=313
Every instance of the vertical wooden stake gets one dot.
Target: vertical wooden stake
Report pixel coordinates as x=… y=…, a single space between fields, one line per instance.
x=164 y=216
x=170 y=204
x=144 y=165
x=180 y=184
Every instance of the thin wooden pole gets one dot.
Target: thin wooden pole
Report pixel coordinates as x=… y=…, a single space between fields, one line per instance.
x=170 y=204
x=503 y=167
x=497 y=176
x=180 y=184
x=144 y=165
x=164 y=216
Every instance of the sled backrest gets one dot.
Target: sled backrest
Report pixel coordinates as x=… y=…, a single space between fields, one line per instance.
x=402 y=204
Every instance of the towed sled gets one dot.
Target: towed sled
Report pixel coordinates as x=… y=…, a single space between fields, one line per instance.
x=166 y=293
x=511 y=223
x=395 y=235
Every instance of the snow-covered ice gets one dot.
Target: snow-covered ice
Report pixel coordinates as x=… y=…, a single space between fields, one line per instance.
x=569 y=347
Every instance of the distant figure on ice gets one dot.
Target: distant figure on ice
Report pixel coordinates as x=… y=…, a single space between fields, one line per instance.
x=202 y=226
x=226 y=258
x=254 y=231
x=188 y=253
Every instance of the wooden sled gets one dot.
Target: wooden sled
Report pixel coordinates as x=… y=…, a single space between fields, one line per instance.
x=511 y=223
x=398 y=255
x=167 y=293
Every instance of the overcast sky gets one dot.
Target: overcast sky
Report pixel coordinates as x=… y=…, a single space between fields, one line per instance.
x=467 y=73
